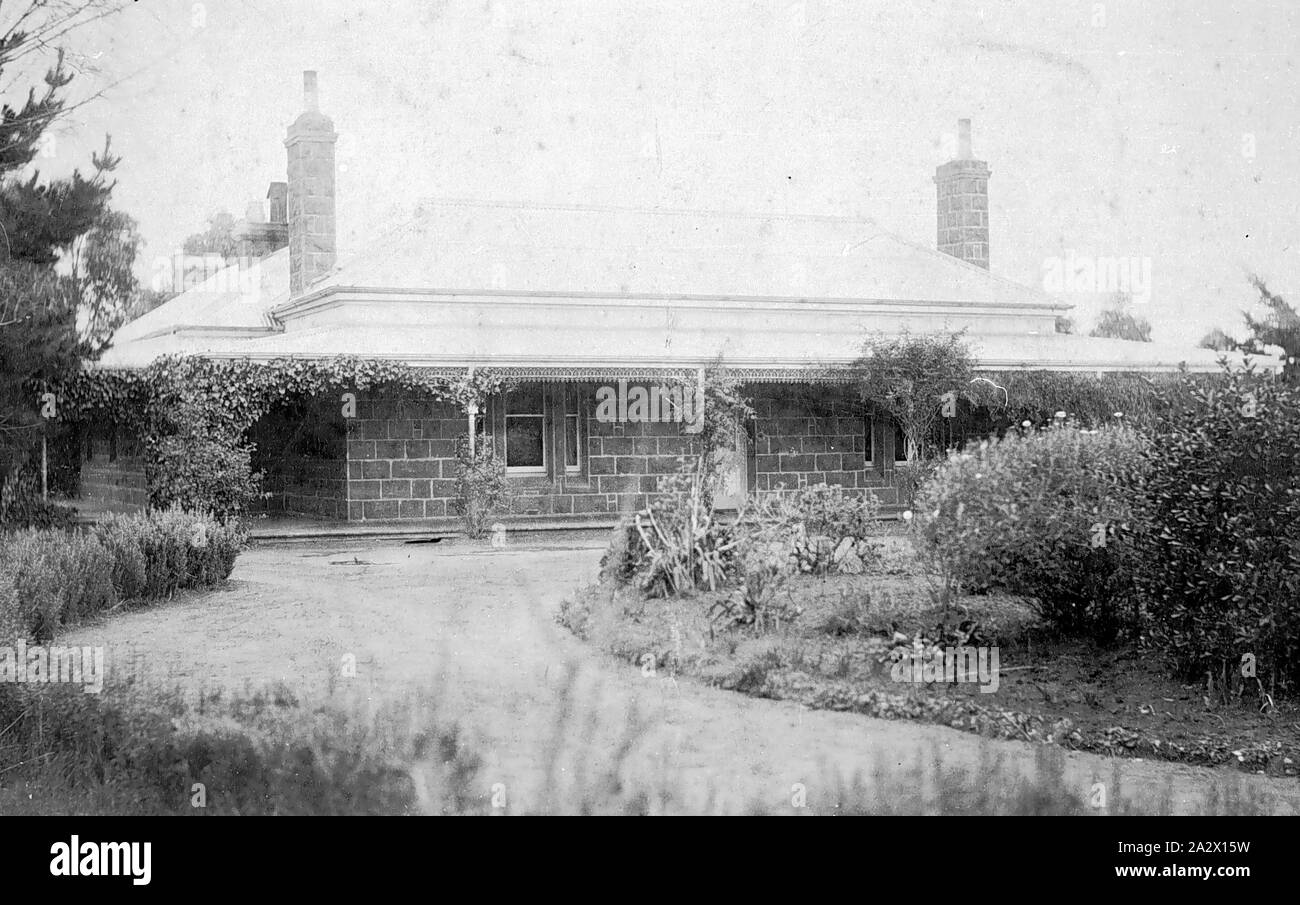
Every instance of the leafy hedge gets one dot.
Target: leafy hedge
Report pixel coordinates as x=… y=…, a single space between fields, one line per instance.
x=1219 y=569
x=50 y=579
x=1041 y=513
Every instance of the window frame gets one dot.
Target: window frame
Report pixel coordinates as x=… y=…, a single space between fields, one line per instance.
x=540 y=417
x=572 y=397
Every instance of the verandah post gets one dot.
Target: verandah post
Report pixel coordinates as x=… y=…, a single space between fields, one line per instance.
x=472 y=409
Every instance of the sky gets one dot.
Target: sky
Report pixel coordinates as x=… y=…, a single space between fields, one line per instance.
x=1160 y=135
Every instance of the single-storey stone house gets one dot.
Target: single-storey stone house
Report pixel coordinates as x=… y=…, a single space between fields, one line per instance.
x=575 y=302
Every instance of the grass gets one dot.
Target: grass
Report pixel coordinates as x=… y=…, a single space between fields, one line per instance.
x=136 y=751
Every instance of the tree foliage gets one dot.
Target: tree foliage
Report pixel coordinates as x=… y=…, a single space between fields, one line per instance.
x=1218 y=340
x=103 y=269
x=46 y=326
x=1119 y=322
x=1280 y=326
x=908 y=376
x=216 y=239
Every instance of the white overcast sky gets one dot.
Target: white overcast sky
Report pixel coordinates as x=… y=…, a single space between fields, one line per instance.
x=1115 y=129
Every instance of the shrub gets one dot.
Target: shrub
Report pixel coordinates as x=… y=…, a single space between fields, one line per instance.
x=120 y=536
x=909 y=477
x=35 y=513
x=818 y=529
x=49 y=579
x=828 y=529
x=620 y=560
x=480 y=484
x=202 y=473
x=1219 y=532
x=52 y=579
x=676 y=544
x=1043 y=514
x=157 y=553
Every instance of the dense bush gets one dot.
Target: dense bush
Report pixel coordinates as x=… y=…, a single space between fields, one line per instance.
x=158 y=553
x=49 y=579
x=35 y=513
x=480 y=484
x=820 y=528
x=22 y=506
x=1219 y=535
x=56 y=578
x=201 y=472
x=1044 y=514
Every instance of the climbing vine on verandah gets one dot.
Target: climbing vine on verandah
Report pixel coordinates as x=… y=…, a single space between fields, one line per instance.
x=192 y=414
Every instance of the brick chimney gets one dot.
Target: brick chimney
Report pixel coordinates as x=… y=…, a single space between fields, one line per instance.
x=963 y=186
x=310 y=196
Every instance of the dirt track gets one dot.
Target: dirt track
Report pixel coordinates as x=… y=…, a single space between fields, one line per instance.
x=473 y=626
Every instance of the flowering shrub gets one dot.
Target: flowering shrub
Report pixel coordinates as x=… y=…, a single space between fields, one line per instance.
x=1045 y=514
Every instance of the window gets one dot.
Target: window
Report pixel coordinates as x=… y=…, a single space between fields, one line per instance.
x=869 y=448
x=525 y=430
x=572 y=429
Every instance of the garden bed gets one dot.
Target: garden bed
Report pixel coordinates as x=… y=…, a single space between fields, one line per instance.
x=834 y=654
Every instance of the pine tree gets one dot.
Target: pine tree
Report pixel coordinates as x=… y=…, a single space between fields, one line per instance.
x=41 y=221
x=1280 y=326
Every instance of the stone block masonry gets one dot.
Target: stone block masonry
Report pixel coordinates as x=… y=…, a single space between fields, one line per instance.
x=401 y=464
x=118 y=481
x=795 y=447
x=401 y=458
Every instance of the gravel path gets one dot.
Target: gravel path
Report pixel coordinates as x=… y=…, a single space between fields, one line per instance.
x=472 y=628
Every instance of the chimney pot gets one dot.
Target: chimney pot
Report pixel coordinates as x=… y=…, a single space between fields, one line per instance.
x=963 y=140
x=310 y=92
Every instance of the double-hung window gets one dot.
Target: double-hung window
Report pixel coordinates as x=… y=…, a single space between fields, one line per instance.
x=525 y=417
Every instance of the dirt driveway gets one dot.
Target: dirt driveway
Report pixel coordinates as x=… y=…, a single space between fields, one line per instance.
x=473 y=626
